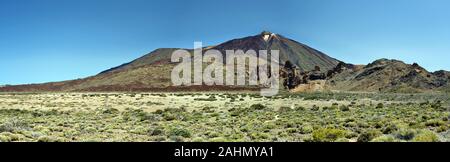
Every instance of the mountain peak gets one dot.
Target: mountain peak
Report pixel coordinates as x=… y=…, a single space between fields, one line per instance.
x=266 y=35
x=266 y=32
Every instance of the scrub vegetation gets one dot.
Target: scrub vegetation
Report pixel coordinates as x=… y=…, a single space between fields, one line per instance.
x=221 y=117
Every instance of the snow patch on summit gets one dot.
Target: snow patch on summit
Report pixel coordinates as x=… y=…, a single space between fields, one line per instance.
x=267 y=37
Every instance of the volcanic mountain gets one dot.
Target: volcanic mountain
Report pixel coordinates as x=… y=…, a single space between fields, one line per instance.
x=152 y=71
x=306 y=58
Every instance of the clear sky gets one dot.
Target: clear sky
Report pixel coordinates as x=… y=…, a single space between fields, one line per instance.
x=54 y=40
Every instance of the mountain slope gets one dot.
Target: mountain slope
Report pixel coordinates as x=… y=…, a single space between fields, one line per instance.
x=389 y=76
x=161 y=55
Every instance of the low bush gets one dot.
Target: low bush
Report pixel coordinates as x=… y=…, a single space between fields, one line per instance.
x=156 y=131
x=434 y=123
x=284 y=109
x=300 y=108
x=315 y=108
x=13 y=124
x=110 y=111
x=169 y=117
x=344 y=108
x=388 y=129
x=368 y=135
x=384 y=138
x=306 y=129
x=257 y=107
x=180 y=132
x=426 y=136
x=4 y=138
x=441 y=128
x=327 y=135
x=379 y=105
x=405 y=134
x=49 y=139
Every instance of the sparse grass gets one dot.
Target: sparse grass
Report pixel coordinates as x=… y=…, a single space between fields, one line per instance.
x=318 y=117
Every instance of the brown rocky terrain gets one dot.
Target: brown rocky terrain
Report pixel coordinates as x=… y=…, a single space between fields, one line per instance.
x=387 y=76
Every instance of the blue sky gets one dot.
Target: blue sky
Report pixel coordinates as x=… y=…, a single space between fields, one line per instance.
x=54 y=40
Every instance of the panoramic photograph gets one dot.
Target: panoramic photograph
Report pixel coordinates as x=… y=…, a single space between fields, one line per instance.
x=232 y=71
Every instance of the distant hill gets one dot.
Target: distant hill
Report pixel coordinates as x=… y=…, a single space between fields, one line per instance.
x=389 y=76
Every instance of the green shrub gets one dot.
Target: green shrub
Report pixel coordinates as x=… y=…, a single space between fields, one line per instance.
x=4 y=138
x=384 y=138
x=234 y=111
x=110 y=111
x=344 y=108
x=434 y=123
x=269 y=126
x=290 y=124
x=405 y=134
x=300 y=108
x=325 y=108
x=259 y=136
x=155 y=131
x=159 y=111
x=315 y=108
x=175 y=110
x=426 y=136
x=284 y=109
x=257 y=107
x=350 y=135
x=180 y=132
x=169 y=116
x=441 y=128
x=208 y=109
x=327 y=134
x=390 y=128
x=380 y=105
x=334 y=106
x=291 y=130
x=48 y=139
x=306 y=129
x=11 y=136
x=351 y=125
x=212 y=134
x=437 y=105
x=157 y=138
x=176 y=138
x=363 y=124
x=368 y=135
x=13 y=124
x=210 y=98
x=90 y=130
